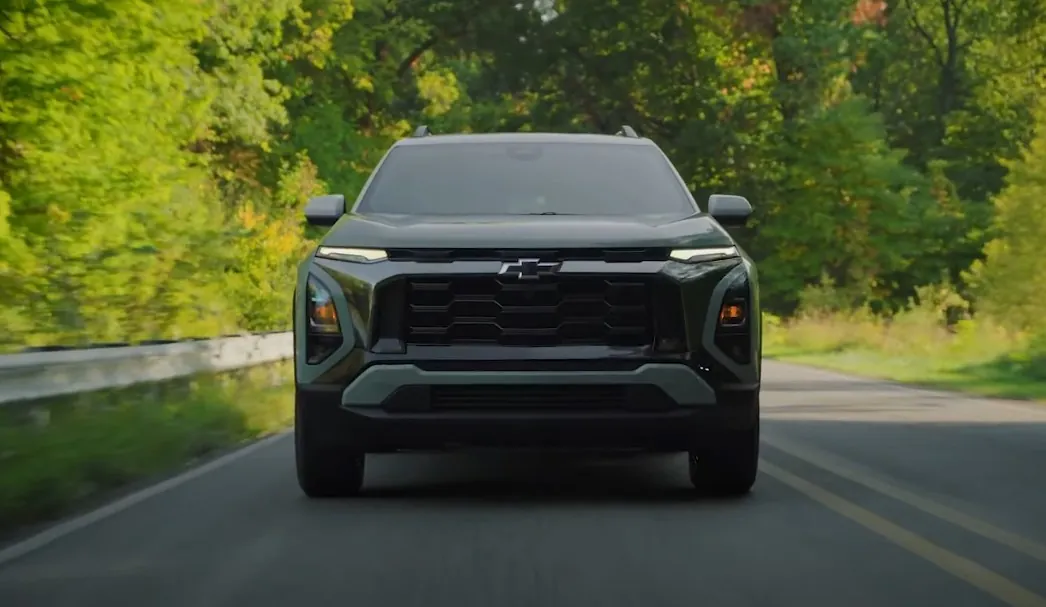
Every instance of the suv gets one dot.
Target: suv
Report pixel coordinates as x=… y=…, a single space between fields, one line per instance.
x=526 y=290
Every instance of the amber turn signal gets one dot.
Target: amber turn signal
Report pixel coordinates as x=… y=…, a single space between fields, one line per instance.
x=322 y=315
x=732 y=314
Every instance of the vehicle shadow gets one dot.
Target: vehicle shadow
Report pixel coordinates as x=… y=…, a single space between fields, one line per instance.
x=534 y=477
x=992 y=461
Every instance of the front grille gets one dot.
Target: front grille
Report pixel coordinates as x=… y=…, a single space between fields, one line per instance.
x=558 y=310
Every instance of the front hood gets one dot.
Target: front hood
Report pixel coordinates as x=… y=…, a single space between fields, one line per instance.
x=524 y=232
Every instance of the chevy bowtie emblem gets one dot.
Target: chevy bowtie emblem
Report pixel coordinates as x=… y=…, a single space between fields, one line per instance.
x=529 y=269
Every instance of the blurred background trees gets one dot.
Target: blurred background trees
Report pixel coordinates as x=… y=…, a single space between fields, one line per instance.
x=155 y=156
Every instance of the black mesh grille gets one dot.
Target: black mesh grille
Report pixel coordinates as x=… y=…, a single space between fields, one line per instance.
x=557 y=310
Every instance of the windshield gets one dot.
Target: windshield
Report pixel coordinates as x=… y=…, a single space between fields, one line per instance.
x=526 y=178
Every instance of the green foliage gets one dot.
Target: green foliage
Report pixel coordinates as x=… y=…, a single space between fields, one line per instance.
x=974 y=356
x=154 y=159
x=133 y=141
x=1011 y=281
x=95 y=170
x=851 y=210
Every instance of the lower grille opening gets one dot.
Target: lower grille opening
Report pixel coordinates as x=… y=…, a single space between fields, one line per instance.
x=559 y=310
x=529 y=396
x=503 y=397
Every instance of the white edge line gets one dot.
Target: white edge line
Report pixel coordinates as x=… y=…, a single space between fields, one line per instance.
x=63 y=529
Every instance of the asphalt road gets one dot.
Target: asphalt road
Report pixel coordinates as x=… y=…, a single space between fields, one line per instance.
x=870 y=494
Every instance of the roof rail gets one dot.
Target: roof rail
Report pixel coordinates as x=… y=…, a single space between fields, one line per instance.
x=422 y=131
x=627 y=131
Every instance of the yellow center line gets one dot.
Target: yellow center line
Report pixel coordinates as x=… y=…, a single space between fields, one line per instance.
x=962 y=568
x=839 y=467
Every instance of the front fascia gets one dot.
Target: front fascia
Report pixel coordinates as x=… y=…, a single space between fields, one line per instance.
x=702 y=287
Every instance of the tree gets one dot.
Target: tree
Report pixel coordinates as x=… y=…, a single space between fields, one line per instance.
x=1011 y=281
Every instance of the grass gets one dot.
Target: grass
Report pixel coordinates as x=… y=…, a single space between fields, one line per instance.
x=55 y=454
x=912 y=348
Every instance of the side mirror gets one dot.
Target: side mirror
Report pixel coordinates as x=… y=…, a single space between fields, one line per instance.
x=729 y=210
x=325 y=210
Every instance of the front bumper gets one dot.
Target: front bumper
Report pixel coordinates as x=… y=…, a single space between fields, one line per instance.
x=412 y=423
x=383 y=385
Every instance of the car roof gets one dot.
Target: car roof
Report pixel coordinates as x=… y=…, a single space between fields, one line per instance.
x=522 y=138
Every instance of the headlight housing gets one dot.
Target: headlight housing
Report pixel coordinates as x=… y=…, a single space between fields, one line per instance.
x=733 y=335
x=323 y=327
x=352 y=254
x=703 y=255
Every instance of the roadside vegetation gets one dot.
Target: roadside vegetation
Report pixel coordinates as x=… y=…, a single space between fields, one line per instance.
x=914 y=346
x=155 y=159
x=986 y=335
x=56 y=454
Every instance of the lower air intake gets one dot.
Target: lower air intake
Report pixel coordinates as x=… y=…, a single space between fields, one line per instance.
x=538 y=397
x=529 y=397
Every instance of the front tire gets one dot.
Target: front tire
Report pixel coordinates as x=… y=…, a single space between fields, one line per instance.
x=730 y=468
x=325 y=470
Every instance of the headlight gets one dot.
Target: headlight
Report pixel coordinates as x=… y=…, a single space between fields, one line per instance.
x=322 y=315
x=700 y=255
x=354 y=255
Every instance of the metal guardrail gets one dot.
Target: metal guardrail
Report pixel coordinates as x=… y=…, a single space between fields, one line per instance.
x=44 y=373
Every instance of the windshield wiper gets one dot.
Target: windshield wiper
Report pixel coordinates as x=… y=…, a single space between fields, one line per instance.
x=551 y=213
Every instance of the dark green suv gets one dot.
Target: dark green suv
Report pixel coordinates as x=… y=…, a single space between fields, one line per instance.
x=527 y=290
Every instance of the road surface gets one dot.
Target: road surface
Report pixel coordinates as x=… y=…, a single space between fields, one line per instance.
x=870 y=494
